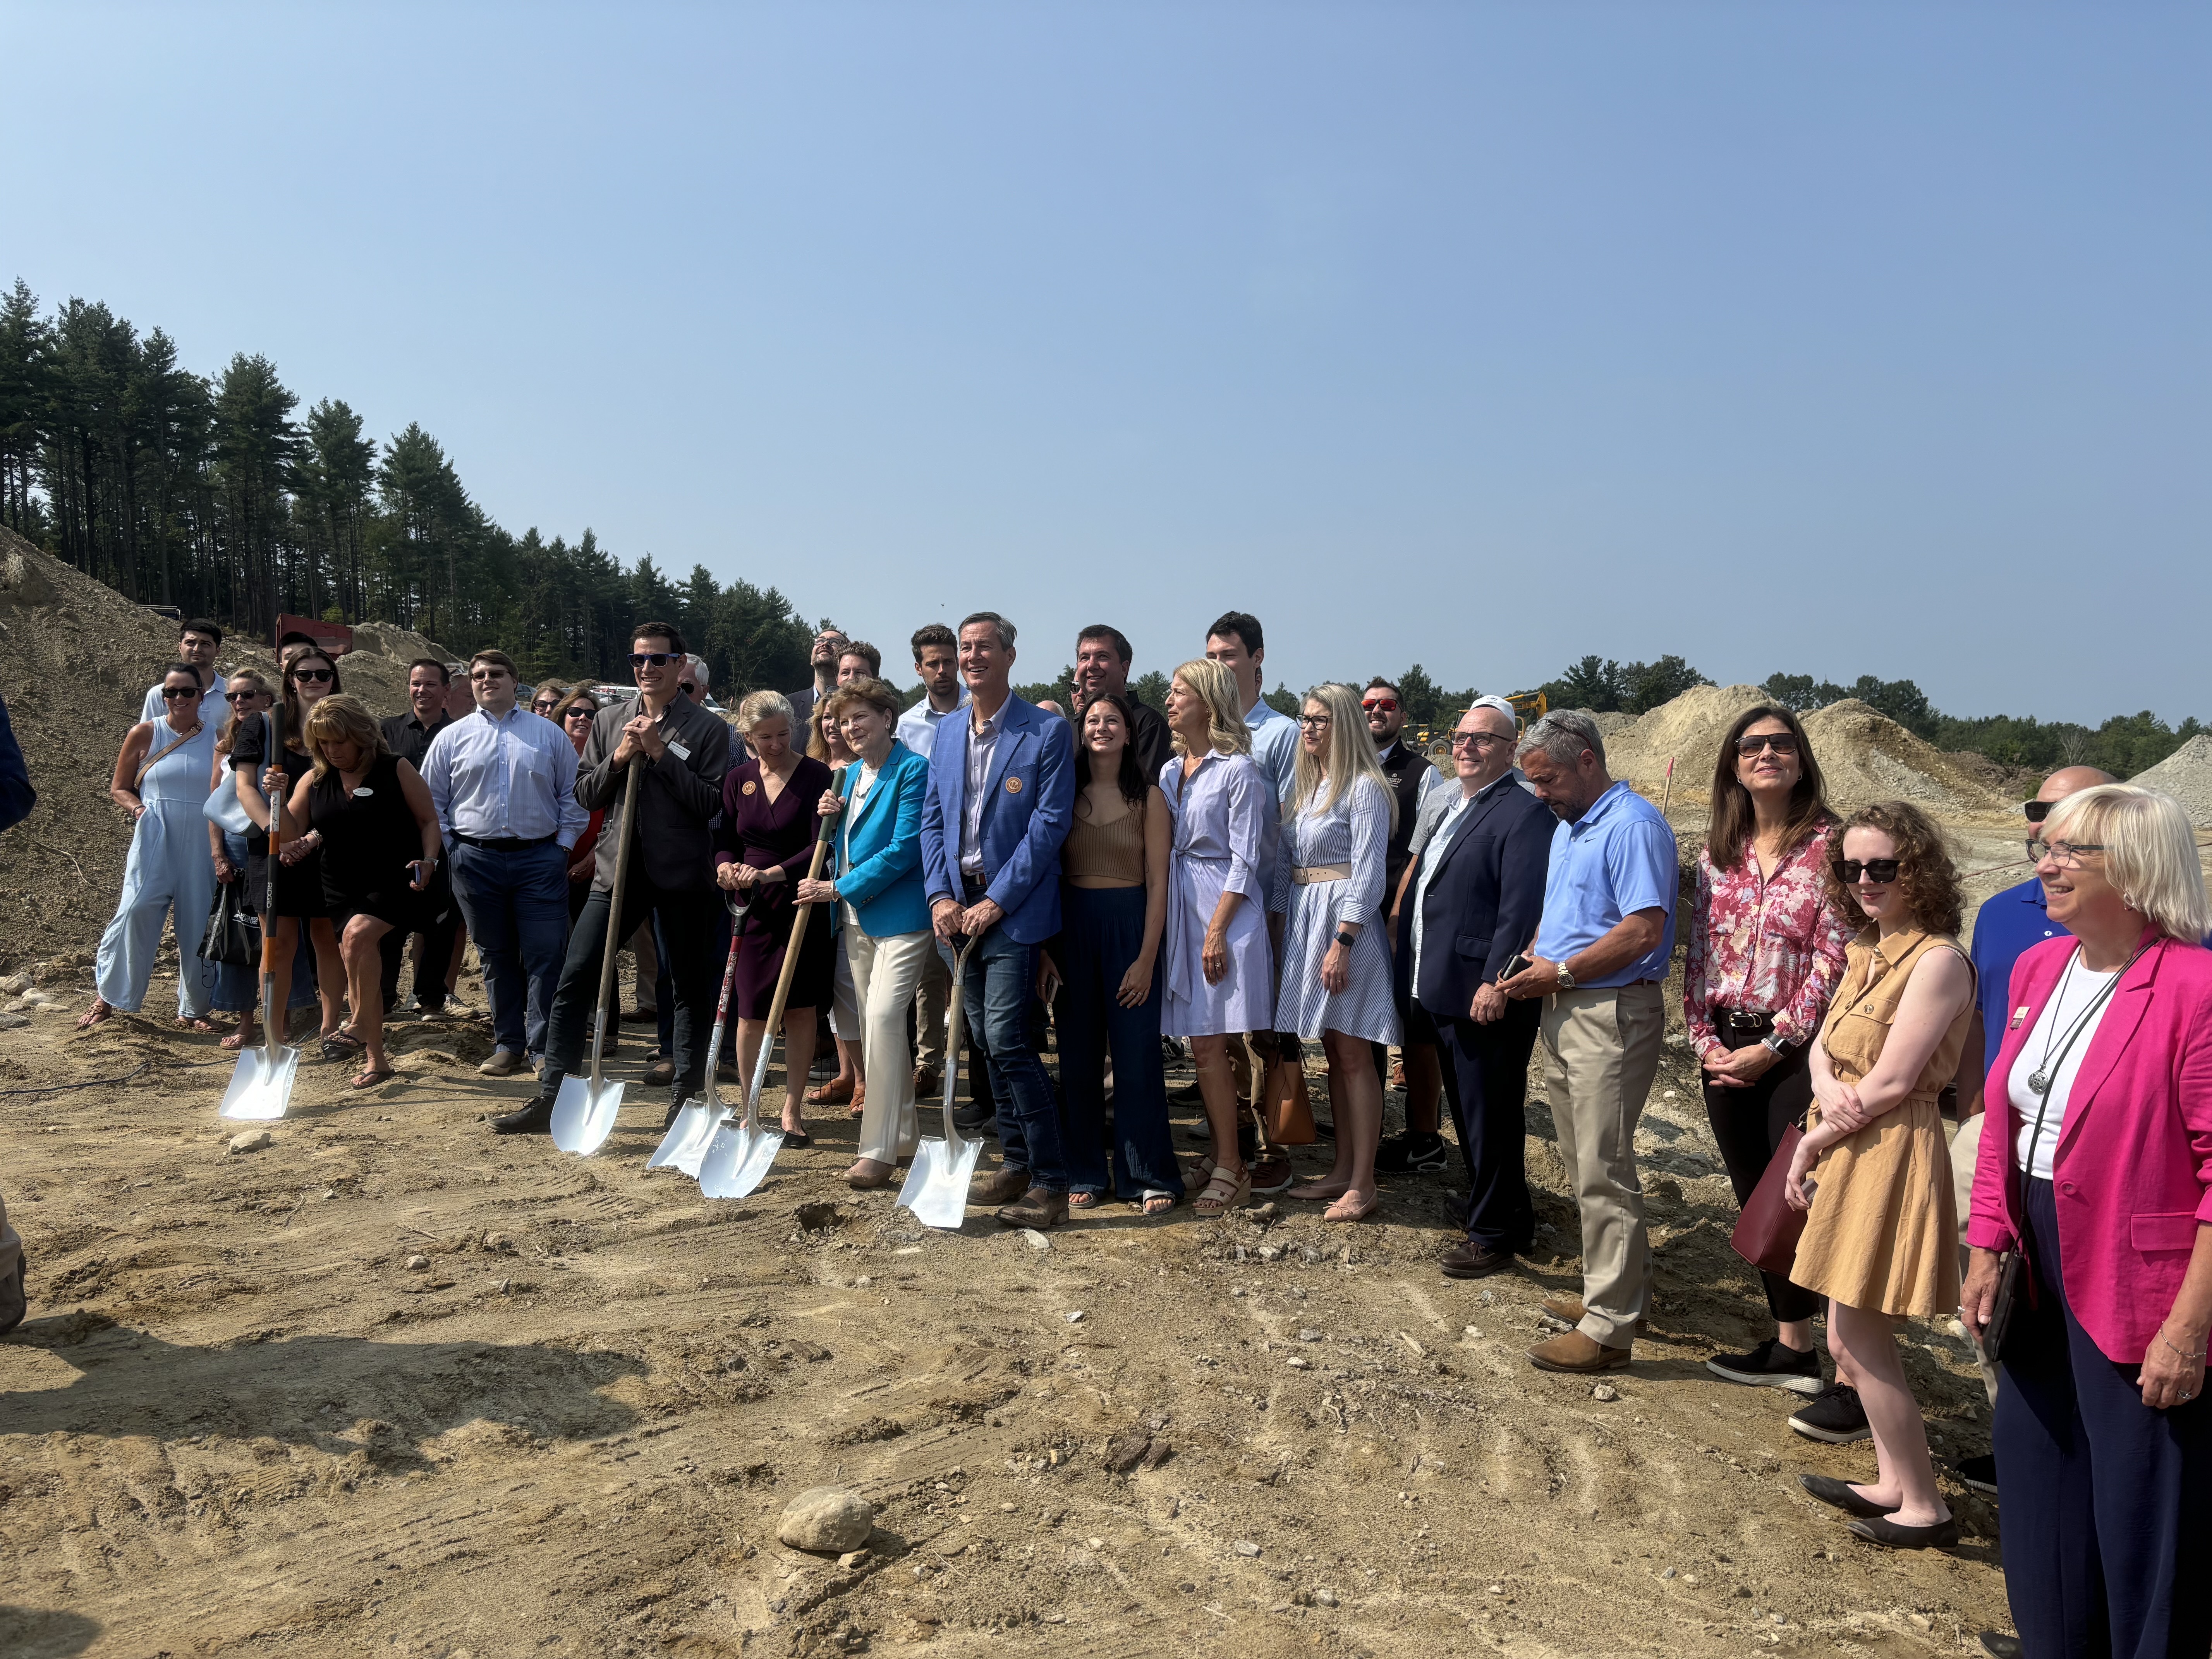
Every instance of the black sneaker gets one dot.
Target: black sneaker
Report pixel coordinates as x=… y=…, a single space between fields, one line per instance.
x=1410 y=1153
x=1979 y=1472
x=1772 y=1364
x=14 y=1303
x=1834 y=1416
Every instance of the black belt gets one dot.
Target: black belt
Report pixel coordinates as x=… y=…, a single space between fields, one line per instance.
x=503 y=843
x=1742 y=1027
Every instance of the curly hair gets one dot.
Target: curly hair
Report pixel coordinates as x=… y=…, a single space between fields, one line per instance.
x=1926 y=877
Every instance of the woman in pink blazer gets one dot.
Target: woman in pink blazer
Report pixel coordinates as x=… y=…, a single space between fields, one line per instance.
x=2102 y=1178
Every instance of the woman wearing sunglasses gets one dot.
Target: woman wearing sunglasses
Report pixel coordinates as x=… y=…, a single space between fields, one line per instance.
x=237 y=985
x=1874 y=1171
x=573 y=715
x=162 y=783
x=2095 y=1167
x=547 y=699
x=1767 y=946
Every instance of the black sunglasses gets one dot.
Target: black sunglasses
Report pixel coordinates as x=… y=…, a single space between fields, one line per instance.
x=172 y=693
x=2037 y=810
x=1877 y=869
x=1780 y=742
x=239 y=696
x=639 y=658
x=317 y=675
x=580 y=713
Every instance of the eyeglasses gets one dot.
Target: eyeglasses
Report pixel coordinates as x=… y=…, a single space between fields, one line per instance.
x=1379 y=705
x=2066 y=854
x=1476 y=739
x=1880 y=871
x=487 y=674
x=175 y=693
x=1313 y=722
x=658 y=659
x=314 y=675
x=1780 y=742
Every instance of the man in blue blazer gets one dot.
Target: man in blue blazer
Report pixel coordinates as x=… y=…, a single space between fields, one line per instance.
x=1001 y=796
x=1477 y=897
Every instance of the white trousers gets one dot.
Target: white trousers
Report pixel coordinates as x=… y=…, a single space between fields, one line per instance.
x=885 y=972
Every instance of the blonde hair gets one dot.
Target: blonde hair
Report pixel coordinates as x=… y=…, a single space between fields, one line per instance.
x=1349 y=754
x=1216 y=687
x=261 y=687
x=341 y=719
x=760 y=706
x=2150 y=853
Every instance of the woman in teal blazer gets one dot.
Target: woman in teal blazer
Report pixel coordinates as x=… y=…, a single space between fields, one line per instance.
x=882 y=909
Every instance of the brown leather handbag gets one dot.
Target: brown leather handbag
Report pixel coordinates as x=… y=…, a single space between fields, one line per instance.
x=1767 y=1232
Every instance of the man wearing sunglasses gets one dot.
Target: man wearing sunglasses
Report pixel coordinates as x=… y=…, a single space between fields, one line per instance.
x=504 y=783
x=684 y=750
x=198 y=642
x=409 y=736
x=828 y=652
x=1421 y=1148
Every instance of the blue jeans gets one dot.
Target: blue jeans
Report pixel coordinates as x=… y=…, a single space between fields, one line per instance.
x=1102 y=930
x=517 y=908
x=998 y=998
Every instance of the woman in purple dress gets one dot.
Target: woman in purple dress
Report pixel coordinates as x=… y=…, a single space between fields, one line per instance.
x=762 y=850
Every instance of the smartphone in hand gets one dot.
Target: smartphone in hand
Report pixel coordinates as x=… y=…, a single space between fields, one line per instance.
x=1520 y=964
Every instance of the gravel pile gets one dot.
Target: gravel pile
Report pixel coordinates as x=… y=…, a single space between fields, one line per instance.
x=2185 y=774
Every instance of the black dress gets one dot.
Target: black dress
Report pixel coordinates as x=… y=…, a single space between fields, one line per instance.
x=299 y=886
x=369 y=838
x=761 y=832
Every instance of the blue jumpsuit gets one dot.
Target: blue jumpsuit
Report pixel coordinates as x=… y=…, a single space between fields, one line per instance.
x=170 y=866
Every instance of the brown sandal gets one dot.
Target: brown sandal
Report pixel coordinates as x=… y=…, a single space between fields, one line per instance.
x=1224 y=1192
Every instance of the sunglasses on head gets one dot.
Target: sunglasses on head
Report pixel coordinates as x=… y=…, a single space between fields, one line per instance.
x=172 y=693
x=1879 y=871
x=1383 y=705
x=658 y=659
x=1780 y=742
x=314 y=674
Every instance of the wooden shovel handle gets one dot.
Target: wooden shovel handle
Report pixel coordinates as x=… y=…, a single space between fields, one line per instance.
x=800 y=914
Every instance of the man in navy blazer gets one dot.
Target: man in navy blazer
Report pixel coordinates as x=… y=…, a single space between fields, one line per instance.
x=1477 y=897
x=1001 y=796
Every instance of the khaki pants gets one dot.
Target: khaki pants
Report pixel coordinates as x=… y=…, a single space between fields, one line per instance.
x=1601 y=1055
x=932 y=996
x=1966 y=1152
x=884 y=972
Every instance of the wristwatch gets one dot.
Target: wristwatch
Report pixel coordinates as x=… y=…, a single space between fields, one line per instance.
x=1566 y=979
x=1347 y=940
x=1774 y=1042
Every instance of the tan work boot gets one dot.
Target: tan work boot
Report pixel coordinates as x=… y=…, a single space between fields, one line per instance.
x=1003 y=1188
x=1569 y=1310
x=1575 y=1353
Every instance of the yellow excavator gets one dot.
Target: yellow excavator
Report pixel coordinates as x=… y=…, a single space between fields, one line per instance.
x=1528 y=706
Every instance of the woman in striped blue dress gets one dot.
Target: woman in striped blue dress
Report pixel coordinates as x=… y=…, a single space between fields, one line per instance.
x=1329 y=882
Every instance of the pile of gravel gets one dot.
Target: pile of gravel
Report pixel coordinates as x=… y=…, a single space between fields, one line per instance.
x=2185 y=774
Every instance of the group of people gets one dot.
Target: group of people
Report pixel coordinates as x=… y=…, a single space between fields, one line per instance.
x=1247 y=882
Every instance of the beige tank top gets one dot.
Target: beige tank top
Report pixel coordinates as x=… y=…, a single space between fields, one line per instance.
x=1874 y=978
x=1106 y=851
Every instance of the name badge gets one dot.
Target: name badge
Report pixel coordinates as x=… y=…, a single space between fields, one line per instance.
x=2018 y=1017
x=1013 y=786
x=363 y=792
x=678 y=751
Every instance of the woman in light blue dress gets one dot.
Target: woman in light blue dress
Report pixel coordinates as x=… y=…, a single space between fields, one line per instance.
x=1218 y=966
x=1329 y=882
x=161 y=781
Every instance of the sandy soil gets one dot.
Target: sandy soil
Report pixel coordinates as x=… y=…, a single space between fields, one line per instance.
x=238 y=1421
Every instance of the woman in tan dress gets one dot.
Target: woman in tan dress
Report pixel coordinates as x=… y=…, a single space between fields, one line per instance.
x=1881 y=1233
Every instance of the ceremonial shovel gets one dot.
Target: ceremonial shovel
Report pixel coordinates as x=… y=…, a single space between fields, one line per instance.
x=261 y=1087
x=738 y=1157
x=936 y=1188
x=685 y=1143
x=584 y=1112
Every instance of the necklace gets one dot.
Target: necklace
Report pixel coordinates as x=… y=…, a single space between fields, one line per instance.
x=2041 y=1078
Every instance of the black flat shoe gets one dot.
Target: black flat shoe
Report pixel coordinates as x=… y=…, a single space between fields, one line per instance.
x=797 y=1138
x=534 y=1119
x=1839 y=1494
x=1880 y=1529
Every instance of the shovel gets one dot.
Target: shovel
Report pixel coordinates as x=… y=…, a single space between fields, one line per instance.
x=936 y=1188
x=261 y=1088
x=584 y=1111
x=685 y=1143
x=738 y=1157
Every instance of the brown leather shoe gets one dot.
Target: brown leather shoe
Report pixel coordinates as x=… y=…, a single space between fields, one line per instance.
x=1569 y=1310
x=928 y=1083
x=1009 y=1183
x=504 y=1062
x=1271 y=1174
x=1576 y=1354
x=1035 y=1208
x=660 y=1074
x=1472 y=1260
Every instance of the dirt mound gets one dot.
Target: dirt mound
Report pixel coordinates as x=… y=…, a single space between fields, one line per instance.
x=75 y=659
x=2185 y=774
x=1865 y=755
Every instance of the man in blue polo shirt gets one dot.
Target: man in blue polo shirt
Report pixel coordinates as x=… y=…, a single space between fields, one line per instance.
x=1599 y=957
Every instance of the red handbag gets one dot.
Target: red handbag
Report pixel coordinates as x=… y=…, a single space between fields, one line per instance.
x=1767 y=1232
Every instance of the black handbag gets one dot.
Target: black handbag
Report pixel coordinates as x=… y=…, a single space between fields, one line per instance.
x=229 y=939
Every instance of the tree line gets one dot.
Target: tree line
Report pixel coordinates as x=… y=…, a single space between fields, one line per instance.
x=219 y=496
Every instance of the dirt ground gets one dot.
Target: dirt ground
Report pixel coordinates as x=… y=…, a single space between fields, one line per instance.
x=238 y=1421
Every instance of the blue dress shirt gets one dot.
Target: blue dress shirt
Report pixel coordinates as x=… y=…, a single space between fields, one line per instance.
x=1619 y=859
x=491 y=778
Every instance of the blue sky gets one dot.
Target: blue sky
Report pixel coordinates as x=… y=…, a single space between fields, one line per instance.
x=1840 y=339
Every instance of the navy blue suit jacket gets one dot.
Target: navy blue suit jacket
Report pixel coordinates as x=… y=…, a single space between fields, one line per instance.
x=1484 y=900
x=1029 y=802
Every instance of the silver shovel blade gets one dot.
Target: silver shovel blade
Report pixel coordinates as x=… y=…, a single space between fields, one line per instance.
x=937 y=1180
x=260 y=1089
x=688 y=1138
x=583 y=1117
x=737 y=1158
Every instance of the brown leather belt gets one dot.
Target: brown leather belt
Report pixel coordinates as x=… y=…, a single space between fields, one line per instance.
x=1304 y=875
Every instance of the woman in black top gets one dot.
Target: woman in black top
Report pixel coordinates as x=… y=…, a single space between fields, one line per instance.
x=309 y=677
x=368 y=814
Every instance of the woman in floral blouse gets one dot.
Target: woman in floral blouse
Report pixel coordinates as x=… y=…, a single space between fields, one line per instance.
x=1767 y=949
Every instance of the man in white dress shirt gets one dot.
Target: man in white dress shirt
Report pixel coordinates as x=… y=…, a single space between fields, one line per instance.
x=504 y=784
x=197 y=640
x=937 y=666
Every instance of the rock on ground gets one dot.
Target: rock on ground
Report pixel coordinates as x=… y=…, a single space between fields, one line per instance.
x=827 y=1520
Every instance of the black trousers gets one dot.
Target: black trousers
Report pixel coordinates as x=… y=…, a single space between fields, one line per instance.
x=1486 y=1075
x=1748 y=1125
x=438 y=920
x=687 y=918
